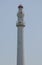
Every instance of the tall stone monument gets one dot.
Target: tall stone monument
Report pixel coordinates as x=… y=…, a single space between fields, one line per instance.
x=20 y=31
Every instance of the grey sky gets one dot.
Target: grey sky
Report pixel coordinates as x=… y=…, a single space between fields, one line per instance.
x=32 y=31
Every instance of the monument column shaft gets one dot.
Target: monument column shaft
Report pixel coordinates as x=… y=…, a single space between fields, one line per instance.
x=20 y=46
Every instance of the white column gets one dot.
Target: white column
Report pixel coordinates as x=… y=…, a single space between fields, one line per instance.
x=20 y=59
x=20 y=25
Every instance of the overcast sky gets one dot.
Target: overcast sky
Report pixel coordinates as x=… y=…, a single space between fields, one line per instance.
x=32 y=32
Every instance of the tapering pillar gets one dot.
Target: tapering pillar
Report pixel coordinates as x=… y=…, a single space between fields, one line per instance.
x=20 y=31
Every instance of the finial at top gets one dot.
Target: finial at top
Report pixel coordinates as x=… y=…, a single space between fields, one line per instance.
x=20 y=6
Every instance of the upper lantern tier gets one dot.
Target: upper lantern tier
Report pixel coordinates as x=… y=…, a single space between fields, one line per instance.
x=20 y=14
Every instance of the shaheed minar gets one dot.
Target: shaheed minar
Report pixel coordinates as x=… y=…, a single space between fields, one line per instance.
x=20 y=31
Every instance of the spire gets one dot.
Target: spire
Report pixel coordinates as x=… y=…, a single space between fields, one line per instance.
x=20 y=16
x=20 y=13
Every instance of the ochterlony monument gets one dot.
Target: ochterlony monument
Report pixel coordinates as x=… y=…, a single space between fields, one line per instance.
x=20 y=31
